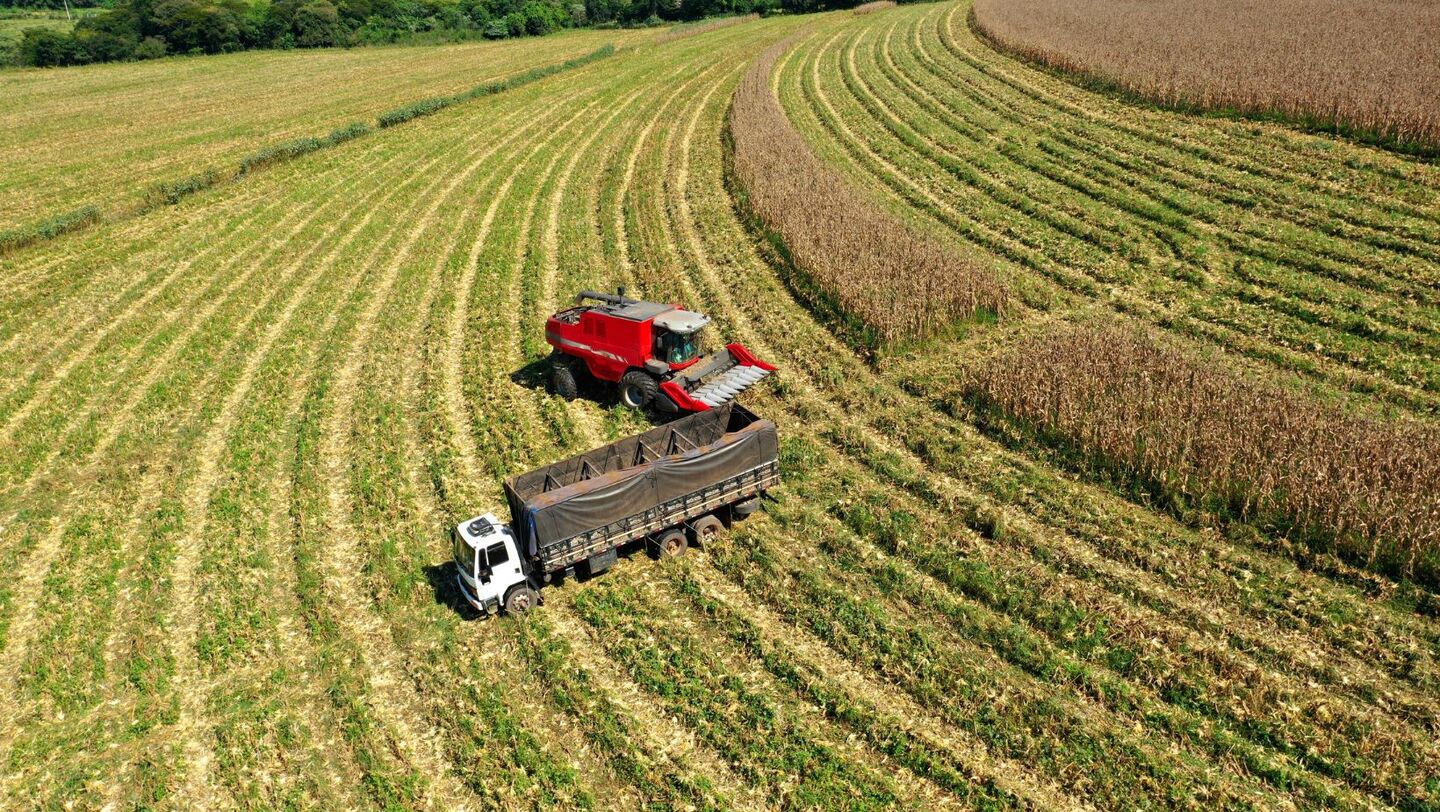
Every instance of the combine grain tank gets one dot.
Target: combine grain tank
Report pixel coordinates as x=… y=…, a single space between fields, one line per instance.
x=665 y=488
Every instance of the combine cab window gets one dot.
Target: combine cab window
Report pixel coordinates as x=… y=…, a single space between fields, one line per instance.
x=673 y=348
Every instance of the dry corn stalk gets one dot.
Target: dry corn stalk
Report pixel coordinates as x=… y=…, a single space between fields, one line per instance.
x=900 y=283
x=1370 y=67
x=1198 y=431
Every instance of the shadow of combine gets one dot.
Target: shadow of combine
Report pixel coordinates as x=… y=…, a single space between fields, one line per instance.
x=536 y=375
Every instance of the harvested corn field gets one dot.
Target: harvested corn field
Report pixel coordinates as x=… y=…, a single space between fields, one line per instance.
x=235 y=434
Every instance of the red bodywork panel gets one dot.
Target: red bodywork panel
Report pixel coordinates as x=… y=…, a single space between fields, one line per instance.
x=609 y=346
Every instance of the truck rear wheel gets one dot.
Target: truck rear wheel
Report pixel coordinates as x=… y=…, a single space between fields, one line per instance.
x=744 y=508
x=520 y=599
x=705 y=529
x=562 y=377
x=637 y=389
x=671 y=544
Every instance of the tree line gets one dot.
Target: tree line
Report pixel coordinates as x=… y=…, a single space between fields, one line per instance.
x=148 y=29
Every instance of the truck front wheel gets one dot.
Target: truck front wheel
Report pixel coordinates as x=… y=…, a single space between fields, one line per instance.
x=637 y=389
x=520 y=599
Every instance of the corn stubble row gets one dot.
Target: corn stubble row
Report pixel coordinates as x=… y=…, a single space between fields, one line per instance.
x=684 y=31
x=873 y=6
x=1193 y=430
x=899 y=283
x=1372 y=68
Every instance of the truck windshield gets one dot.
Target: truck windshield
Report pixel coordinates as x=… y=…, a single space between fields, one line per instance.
x=674 y=348
x=464 y=556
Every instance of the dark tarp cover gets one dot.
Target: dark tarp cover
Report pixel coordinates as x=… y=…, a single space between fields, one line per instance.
x=635 y=474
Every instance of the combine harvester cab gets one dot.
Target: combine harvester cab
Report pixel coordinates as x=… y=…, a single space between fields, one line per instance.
x=667 y=488
x=649 y=350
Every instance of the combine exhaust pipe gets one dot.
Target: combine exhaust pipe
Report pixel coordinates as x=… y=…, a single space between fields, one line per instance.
x=616 y=298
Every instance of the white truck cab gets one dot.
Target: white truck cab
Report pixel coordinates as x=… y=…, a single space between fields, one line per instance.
x=491 y=570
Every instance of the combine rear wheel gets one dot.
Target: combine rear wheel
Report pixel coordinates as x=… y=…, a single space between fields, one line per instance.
x=562 y=377
x=637 y=390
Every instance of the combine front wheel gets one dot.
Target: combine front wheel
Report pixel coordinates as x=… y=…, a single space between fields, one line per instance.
x=637 y=390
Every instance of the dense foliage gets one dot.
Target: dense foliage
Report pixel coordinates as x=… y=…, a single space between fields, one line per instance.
x=147 y=29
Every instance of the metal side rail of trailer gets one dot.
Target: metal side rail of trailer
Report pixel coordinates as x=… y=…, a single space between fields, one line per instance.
x=580 y=547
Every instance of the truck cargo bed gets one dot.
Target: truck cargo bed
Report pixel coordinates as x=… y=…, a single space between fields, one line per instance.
x=588 y=504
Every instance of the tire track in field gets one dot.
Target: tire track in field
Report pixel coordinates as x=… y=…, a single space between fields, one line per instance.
x=100 y=321
x=24 y=621
x=687 y=241
x=383 y=663
x=673 y=741
x=1413 y=701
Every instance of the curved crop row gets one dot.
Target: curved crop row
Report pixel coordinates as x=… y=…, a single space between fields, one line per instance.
x=899 y=284
x=234 y=562
x=1200 y=434
x=1322 y=64
x=1184 y=223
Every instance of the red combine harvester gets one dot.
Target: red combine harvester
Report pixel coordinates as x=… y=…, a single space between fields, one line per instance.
x=651 y=350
